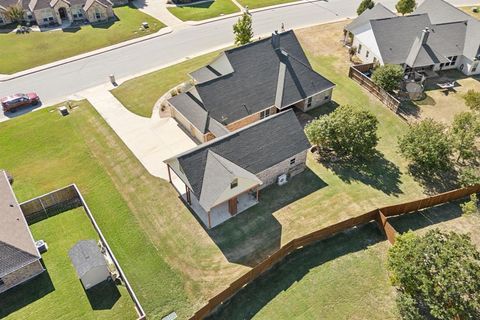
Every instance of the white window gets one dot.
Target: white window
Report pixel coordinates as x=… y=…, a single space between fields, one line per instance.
x=309 y=102
x=359 y=48
x=264 y=113
x=1 y=20
x=474 y=66
x=367 y=54
x=292 y=161
x=234 y=183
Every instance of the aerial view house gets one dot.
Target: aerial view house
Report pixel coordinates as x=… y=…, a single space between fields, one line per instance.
x=53 y=12
x=437 y=36
x=223 y=176
x=249 y=83
x=19 y=257
x=89 y=262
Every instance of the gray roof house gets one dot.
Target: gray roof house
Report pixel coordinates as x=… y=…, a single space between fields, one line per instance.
x=248 y=83
x=437 y=36
x=223 y=176
x=19 y=257
x=89 y=262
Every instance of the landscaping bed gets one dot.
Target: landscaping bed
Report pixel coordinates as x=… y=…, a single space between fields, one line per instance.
x=38 y=48
x=58 y=293
x=203 y=10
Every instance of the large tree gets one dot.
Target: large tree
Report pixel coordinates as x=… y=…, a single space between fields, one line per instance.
x=427 y=145
x=364 y=5
x=465 y=132
x=405 y=6
x=438 y=275
x=348 y=131
x=388 y=77
x=472 y=100
x=15 y=13
x=243 y=29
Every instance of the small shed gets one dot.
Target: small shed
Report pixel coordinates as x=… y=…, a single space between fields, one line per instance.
x=88 y=260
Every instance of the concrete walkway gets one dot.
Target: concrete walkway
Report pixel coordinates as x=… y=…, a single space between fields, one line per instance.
x=150 y=140
x=158 y=9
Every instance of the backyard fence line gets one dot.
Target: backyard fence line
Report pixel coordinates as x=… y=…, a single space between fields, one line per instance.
x=380 y=216
x=67 y=198
x=356 y=73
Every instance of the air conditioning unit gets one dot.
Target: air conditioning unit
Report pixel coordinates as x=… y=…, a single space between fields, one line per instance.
x=282 y=179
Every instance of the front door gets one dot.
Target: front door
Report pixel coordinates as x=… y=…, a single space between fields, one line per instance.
x=63 y=13
x=232 y=206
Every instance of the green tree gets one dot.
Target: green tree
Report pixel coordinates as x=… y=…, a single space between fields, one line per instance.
x=440 y=271
x=348 y=131
x=243 y=30
x=405 y=6
x=469 y=176
x=464 y=132
x=472 y=100
x=364 y=5
x=427 y=145
x=470 y=207
x=388 y=77
x=15 y=13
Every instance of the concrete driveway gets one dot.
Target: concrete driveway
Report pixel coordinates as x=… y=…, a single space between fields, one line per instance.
x=151 y=140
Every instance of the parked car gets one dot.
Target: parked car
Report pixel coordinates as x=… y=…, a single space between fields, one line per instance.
x=12 y=103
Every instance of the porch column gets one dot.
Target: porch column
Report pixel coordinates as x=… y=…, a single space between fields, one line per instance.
x=209 y=220
x=169 y=174
x=189 y=199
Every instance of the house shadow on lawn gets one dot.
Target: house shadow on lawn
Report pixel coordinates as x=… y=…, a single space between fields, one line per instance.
x=256 y=295
x=254 y=234
x=377 y=172
x=25 y=294
x=195 y=4
x=103 y=296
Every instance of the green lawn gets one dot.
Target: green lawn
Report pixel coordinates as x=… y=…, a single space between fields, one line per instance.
x=254 y=4
x=21 y=52
x=203 y=11
x=139 y=95
x=58 y=293
x=469 y=11
x=171 y=262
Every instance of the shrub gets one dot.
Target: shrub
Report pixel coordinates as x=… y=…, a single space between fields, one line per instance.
x=364 y=5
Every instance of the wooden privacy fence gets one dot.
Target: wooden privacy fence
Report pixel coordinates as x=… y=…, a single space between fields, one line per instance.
x=379 y=215
x=65 y=199
x=356 y=73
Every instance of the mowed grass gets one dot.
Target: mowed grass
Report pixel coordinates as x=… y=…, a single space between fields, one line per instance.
x=139 y=95
x=254 y=4
x=21 y=52
x=204 y=10
x=58 y=293
x=171 y=262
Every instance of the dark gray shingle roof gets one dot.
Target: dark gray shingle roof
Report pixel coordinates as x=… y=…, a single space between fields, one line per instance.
x=13 y=258
x=85 y=255
x=252 y=86
x=253 y=148
x=441 y=11
x=379 y=11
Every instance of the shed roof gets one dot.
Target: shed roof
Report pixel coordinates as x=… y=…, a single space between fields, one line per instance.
x=17 y=247
x=85 y=256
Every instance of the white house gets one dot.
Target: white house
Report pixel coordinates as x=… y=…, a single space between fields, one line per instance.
x=437 y=36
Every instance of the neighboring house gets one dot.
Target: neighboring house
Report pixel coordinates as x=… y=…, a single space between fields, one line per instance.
x=249 y=83
x=52 y=12
x=89 y=262
x=19 y=257
x=223 y=177
x=437 y=36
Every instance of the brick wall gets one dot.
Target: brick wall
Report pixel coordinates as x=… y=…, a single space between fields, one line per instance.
x=248 y=120
x=21 y=275
x=269 y=176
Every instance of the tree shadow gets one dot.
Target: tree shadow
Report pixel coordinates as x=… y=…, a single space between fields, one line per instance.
x=427 y=217
x=377 y=172
x=22 y=295
x=254 y=234
x=103 y=296
x=256 y=295
x=194 y=4
x=435 y=183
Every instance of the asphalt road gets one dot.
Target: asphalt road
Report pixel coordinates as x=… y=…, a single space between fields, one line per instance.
x=55 y=84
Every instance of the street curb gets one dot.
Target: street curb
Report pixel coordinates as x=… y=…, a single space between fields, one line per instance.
x=161 y=32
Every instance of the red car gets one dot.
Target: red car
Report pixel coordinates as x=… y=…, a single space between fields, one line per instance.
x=12 y=103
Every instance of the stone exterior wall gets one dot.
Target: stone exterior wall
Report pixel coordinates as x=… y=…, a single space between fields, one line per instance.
x=317 y=100
x=249 y=119
x=269 y=176
x=45 y=16
x=98 y=13
x=4 y=19
x=21 y=275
